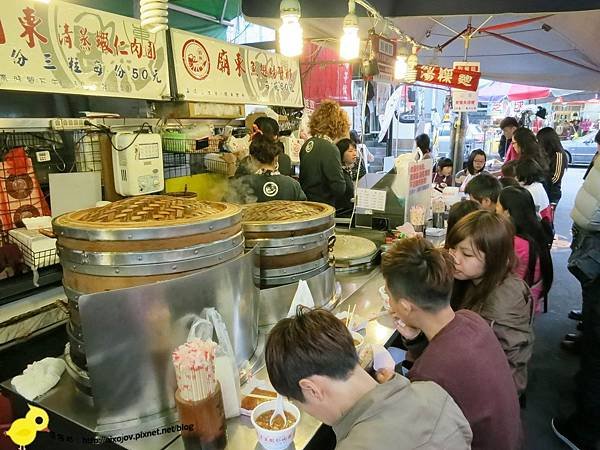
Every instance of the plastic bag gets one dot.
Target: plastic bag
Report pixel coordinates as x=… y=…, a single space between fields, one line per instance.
x=225 y=365
x=303 y=297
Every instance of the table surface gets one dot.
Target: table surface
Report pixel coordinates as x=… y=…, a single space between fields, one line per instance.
x=360 y=289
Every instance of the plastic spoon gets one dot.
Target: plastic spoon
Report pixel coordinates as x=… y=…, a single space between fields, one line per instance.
x=278 y=410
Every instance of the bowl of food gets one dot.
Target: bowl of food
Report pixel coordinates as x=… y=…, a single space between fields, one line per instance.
x=280 y=434
x=385 y=298
x=358 y=339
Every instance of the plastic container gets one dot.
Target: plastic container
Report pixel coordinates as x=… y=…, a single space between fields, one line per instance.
x=275 y=439
x=357 y=337
x=385 y=298
x=203 y=422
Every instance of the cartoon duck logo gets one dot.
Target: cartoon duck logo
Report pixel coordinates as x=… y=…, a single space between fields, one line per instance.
x=23 y=431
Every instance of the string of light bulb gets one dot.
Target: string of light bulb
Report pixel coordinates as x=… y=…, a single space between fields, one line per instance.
x=291 y=39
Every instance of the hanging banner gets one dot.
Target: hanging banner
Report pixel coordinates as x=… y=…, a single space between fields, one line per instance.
x=64 y=48
x=214 y=71
x=465 y=101
x=453 y=78
x=385 y=54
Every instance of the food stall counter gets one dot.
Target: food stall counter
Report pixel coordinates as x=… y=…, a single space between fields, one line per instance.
x=74 y=411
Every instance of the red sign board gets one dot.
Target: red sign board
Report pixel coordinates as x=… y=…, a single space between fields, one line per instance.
x=453 y=78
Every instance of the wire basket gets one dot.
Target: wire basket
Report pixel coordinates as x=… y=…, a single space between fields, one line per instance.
x=88 y=156
x=182 y=145
x=214 y=163
x=34 y=259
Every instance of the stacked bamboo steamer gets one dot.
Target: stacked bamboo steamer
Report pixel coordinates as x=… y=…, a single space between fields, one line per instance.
x=294 y=239
x=137 y=241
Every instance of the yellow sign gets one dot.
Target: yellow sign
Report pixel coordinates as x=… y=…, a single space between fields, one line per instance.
x=65 y=48
x=23 y=431
x=209 y=70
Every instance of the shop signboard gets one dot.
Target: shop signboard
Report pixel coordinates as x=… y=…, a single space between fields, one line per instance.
x=452 y=78
x=385 y=54
x=465 y=101
x=64 y=48
x=214 y=71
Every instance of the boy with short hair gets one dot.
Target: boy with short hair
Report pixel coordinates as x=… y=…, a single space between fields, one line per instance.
x=311 y=358
x=463 y=354
x=484 y=189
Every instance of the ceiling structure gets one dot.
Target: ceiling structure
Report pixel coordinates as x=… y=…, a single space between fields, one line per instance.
x=547 y=43
x=207 y=17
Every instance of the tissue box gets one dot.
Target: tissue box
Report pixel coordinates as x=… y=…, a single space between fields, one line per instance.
x=38 y=250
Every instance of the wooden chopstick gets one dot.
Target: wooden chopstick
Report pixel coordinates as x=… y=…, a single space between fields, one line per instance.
x=351 y=316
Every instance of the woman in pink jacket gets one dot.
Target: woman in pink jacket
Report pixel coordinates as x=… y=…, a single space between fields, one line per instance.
x=534 y=263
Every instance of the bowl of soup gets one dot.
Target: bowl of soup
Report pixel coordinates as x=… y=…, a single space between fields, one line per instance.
x=280 y=434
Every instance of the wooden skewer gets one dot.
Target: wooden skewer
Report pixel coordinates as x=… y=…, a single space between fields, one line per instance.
x=262 y=397
x=351 y=316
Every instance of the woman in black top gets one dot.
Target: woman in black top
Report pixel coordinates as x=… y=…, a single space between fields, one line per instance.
x=344 y=203
x=558 y=160
x=266 y=126
x=266 y=183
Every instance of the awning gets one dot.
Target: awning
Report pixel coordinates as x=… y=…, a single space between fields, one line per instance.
x=557 y=49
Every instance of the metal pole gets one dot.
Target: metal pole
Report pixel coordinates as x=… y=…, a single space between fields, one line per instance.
x=459 y=130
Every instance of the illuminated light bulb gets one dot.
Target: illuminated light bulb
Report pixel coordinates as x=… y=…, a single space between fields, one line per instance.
x=400 y=68
x=350 y=42
x=154 y=15
x=411 y=62
x=291 y=40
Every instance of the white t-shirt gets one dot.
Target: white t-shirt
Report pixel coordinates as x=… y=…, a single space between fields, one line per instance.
x=540 y=198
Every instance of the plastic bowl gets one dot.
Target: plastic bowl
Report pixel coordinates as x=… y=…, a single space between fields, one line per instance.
x=357 y=337
x=279 y=439
x=385 y=298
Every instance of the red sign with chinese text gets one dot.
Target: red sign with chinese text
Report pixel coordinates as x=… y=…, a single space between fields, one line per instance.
x=452 y=78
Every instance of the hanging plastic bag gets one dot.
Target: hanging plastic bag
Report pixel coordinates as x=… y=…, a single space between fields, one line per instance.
x=302 y=297
x=225 y=365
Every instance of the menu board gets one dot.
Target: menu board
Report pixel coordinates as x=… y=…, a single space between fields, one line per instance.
x=214 y=71
x=65 y=48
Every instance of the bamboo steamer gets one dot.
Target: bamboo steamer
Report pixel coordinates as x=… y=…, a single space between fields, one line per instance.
x=137 y=241
x=294 y=239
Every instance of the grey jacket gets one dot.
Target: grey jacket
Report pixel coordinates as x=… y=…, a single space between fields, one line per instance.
x=401 y=415
x=586 y=212
x=509 y=311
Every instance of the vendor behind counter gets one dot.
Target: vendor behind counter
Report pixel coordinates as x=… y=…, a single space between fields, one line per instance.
x=321 y=175
x=266 y=183
x=344 y=203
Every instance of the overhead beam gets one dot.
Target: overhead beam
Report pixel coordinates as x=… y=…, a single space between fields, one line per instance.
x=541 y=52
x=199 y=15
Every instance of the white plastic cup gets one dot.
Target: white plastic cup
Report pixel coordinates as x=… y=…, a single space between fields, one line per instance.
x=279 y=439
x=359 y=338
x=385 y=298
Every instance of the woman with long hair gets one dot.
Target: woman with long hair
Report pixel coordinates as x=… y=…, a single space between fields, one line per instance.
x=481 y=244
x=527 y=147
x=534 y=263
x=531 y=176
x=475 y=166
x=423 y=144
x=557 y=159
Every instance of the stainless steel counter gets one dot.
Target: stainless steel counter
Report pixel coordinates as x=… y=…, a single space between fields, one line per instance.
x=360 y=289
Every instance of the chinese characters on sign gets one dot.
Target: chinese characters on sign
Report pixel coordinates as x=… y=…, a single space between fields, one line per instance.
x=420 y=177
x=455 y=78
x=214 y=71
x=464 y=100
x=65 y=48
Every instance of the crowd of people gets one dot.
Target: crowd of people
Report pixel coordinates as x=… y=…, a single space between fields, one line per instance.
x=464 y=312
x=331 y=160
